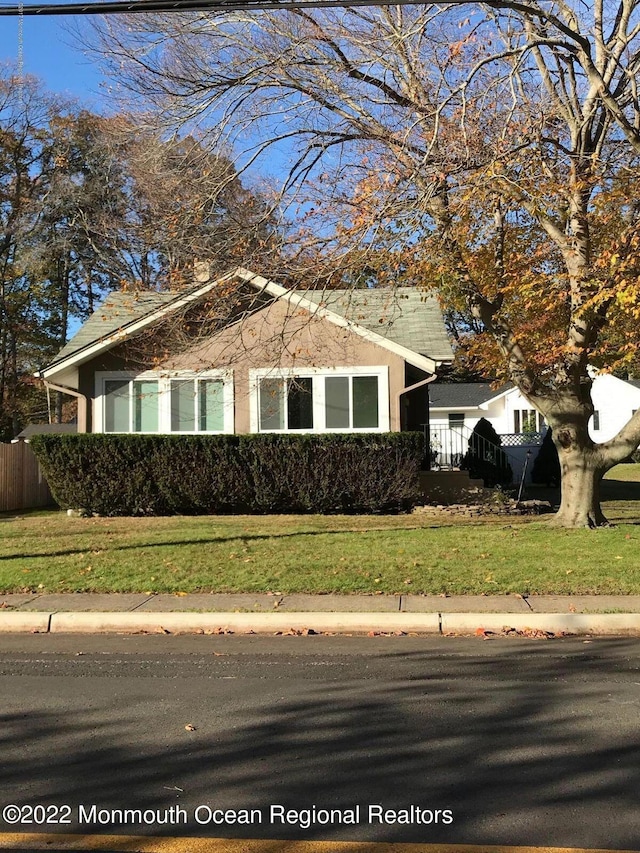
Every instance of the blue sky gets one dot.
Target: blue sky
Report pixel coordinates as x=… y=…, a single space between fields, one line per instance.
x=49 y=54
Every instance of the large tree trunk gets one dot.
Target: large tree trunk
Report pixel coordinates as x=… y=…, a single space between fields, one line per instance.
x=582 y=471
x=582 y=462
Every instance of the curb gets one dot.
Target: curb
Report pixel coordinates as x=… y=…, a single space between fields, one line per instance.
x=243 y=623
x=20 y=622
x=603 y=624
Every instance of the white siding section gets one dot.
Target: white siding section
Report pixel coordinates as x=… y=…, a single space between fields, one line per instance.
x=615 y=401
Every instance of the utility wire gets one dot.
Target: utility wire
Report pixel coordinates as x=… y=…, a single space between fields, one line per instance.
x=107 y=7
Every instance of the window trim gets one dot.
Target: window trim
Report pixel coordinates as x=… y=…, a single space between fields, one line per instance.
x=519 y=416
x=456 y=420
x=381 y=372
x=164 y=379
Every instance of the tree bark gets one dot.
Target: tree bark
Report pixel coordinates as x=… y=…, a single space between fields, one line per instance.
x=582 y=473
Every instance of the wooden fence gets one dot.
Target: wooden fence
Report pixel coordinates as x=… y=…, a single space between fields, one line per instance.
x=22 y=484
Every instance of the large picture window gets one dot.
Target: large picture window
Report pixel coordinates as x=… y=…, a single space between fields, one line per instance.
x=351 y=402
x=324 y=401
x=181 y=403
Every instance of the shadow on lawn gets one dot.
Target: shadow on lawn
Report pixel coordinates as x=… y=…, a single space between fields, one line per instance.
x=520 y=745
x=619 y=490
x=610 y=490
x=214 y=540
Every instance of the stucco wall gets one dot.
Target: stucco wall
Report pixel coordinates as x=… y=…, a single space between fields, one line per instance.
x=277 y=336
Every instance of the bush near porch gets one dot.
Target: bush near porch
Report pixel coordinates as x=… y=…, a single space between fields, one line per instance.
x=148 y=475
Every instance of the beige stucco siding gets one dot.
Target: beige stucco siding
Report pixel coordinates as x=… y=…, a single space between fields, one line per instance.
x=277 y=336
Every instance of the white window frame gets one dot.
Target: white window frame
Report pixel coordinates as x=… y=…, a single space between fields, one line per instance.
x=164 y=379
x=381 y=372
x=539 y=420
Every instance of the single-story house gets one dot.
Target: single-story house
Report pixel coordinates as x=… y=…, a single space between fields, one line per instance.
x=457 y=407
x=276 y=359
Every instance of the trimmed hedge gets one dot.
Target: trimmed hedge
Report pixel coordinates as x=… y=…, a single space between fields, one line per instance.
x=200 y=475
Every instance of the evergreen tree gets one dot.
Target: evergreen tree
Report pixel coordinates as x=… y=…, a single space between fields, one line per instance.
x=546 y=466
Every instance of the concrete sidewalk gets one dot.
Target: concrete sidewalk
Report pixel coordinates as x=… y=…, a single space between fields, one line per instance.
x=244 y=613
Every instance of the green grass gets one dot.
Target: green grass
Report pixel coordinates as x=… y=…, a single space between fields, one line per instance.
x=420 y=553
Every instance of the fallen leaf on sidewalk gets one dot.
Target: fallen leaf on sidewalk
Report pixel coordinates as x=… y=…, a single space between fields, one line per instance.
x=190 y=727
x=530 y=633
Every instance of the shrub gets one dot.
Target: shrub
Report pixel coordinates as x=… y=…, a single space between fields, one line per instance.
x=485 y=459
x=189 y=475
x=546 y=465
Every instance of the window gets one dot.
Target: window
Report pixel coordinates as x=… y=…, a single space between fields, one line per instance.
x=456 y=419
x=180 y=403
x=286 y=404
x=596 y=421
x=527 y=420
x=130 y=406
x=320 y=400
x=197 y=405
x=351 y=402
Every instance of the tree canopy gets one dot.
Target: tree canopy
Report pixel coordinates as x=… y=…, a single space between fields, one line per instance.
x=89 y=204
x=486 y=149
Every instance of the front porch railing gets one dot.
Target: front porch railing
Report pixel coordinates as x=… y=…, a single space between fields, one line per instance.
x=447 y=445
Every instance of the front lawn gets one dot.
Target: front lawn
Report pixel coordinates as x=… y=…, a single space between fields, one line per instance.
x=419 y=553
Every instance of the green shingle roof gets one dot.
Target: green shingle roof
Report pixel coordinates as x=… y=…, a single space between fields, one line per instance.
x=116 y=311
x=404 y=316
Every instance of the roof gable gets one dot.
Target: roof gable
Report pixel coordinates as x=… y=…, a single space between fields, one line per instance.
x=403 y=321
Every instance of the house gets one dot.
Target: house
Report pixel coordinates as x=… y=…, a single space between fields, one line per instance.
x=455 y=408
x=44 y=429
x=614 y=401
x=242 y=354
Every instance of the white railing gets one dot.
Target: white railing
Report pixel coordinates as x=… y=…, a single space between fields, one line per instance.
x=447 y=445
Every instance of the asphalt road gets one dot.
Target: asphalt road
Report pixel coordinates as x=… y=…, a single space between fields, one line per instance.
x=503 y=742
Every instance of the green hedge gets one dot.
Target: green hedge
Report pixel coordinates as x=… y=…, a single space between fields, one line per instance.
x=200 y=475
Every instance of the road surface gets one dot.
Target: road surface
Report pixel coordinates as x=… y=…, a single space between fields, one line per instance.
x=436 y=741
